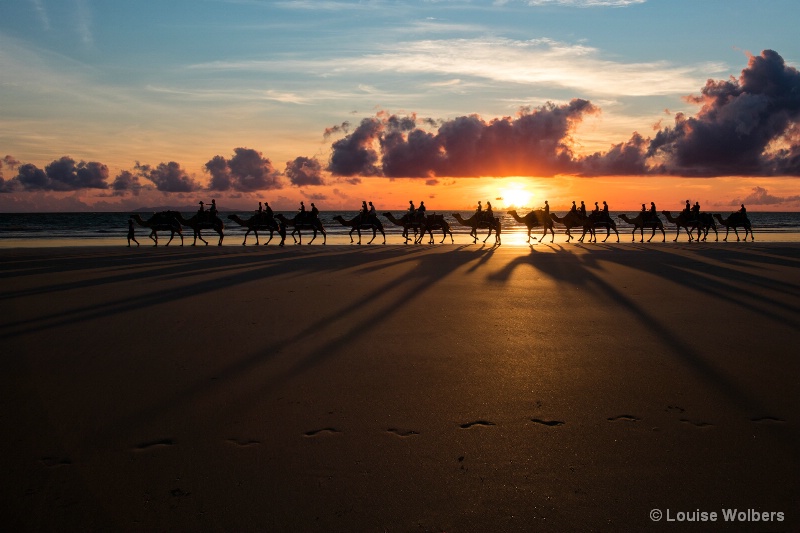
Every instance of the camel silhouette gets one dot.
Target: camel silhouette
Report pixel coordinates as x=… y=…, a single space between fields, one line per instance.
x=435 y=222
x=641 y=221
x=364 y=222
x=163 y=221
x=588 y=224
x=260 y=222
x=534 y=219
x=302 y=222
x=407 y=223
x=197 y=224
x=736 y=220
x=480 y=222
x=703 y=224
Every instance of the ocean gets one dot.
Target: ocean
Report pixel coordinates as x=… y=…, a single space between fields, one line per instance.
x=76 y=229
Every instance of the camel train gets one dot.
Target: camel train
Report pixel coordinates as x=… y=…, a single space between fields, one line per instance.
x=696 y=225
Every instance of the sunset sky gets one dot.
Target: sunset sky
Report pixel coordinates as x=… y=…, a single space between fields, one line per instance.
x=116 y=105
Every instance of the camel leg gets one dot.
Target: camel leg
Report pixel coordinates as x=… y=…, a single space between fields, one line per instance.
x=351 y=235
x=384 y=235
x=271 y=235
x=608 y=234
x=171 y=236
x=313 y=236
x=154 y=237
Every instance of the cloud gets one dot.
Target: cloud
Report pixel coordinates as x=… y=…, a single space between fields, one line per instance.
x=126 y=181
x=760 y=196
x=738 y=121
x=533 y=143
x=169 y=177
x=246 y=171
x=583 y=3
x=304 y=171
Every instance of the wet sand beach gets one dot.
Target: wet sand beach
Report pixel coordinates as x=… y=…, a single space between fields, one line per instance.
x=561 y=387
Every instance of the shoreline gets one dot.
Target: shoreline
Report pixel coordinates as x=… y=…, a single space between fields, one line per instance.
x=467 y=387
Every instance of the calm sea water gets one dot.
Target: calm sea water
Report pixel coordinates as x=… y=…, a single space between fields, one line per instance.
x=94 y=228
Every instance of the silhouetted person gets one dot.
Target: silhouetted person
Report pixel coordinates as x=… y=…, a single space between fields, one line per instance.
x=201 y=213
x=696 y=210
x=653 y=212
x=688 y=208
x=364 y=208
x=583 y=209
x=302 y=210
x=212 y=211
x=644 y=209
x=547 y=208
x=489 y=212
x=421 y=211
x=131 y=236
x=479 y=211
x=372 y=213
x=411 y=209
x=260 y=210
x=268 y=210
x=314 y=211
x=574 y=208
x=743 y=211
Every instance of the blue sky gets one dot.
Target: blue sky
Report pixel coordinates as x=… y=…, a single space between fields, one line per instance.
x=121 y=82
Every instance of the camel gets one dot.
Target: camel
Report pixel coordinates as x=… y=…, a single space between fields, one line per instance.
x=683 y=221
x=535 y=219
x=406 y=223
x=364 y=222
x=435 y=222
x=163 y=221
x=645 y=220
x=705 y=225
x=263 y=223
x=475 y=222
x=207 y=223
x=302 y=222
x=736 y=220
x=588 y=224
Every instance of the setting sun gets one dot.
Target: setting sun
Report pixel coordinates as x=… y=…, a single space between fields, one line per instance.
x=514 y=195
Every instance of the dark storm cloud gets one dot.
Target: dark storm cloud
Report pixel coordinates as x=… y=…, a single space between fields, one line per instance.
x=535 y=142
x=355 y=155
x=304 y=171
x=246 y=171
x=622 y=159
x=126 y=181
x=169 y=177
x=67 y=175
x=738 y=121
x=760 y=196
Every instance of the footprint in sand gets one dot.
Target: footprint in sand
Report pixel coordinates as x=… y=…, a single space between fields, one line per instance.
x=767 y=419
x=698 y=424
x=154 y=444
x=675 y=409
x=52 y=462
x=322 y=431
x=476 y=423
x=403 y=432
x=244 y=443
x=627 y=418
x=551 y=423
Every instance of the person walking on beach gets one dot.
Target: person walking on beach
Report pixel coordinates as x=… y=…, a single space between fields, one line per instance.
x=131 y=235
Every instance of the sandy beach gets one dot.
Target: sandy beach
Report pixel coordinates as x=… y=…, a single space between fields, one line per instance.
x=464 y=387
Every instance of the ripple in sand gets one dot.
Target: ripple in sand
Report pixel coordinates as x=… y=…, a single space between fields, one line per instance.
x=154 y=444
x=476 y=423
x=316 y=432
x=627 y=418
x=698 y=424
x=767 y=419
x=403 y=432
x=244 y=443
x=550 y=423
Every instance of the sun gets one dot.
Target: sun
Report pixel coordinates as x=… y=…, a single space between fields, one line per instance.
x=515 y=196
